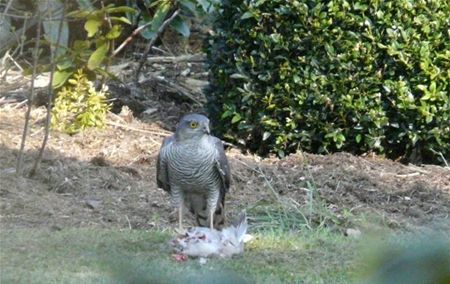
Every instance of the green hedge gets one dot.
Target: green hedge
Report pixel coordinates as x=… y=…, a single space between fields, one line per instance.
x=329 y=76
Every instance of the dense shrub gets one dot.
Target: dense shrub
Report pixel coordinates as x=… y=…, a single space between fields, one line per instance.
x=326 y=76
x=79 y=106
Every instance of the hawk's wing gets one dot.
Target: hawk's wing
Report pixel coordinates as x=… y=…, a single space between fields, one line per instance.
x=222 y=165
x=162 y=176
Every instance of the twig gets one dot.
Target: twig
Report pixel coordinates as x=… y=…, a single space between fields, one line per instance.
x=108 y=62
x=20 y=104
x=443 y=159
x=16 y=16
x=130 y=38
x=14 y=62
x=2 y=18
x=417 y=169
x=53 y=54
x=175 y=59
x=231 y=145
x=176 y=87
x=4 y=68
x=4 y=101
x=137 y=130
x=22 y=36
x=408 y=175
x=441 y=155
x=13 y=38
x=152 y=41
x=129 y=223
x=108 y=19
x=159 y=50
x=269 y=185
x=30 y=99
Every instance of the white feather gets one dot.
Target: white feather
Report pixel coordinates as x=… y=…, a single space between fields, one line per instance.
x=204 y=242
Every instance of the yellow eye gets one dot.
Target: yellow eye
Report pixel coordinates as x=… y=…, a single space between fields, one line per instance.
x=193 y=124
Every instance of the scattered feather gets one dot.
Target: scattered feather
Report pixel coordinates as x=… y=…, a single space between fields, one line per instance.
x=203 y=242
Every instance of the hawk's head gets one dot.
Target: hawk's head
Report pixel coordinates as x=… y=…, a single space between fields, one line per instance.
x=192 y=126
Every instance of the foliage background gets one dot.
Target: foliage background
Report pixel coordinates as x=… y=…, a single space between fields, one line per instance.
x=328 y=76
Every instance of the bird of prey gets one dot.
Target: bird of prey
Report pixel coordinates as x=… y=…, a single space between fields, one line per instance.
x=193 y=168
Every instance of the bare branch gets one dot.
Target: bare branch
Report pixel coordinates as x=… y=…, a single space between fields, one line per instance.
x=108 y=20
x=53 y=54
x=177 y=88
x=13 y=38
x=2 y=18
x=152 y=42
x=194 y=58
x=30 y=98
x=130 y=38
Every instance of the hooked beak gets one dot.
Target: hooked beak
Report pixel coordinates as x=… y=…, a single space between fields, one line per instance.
x=207 y=130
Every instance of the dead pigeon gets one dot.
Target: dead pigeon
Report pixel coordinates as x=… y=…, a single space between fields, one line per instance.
x=206 y=242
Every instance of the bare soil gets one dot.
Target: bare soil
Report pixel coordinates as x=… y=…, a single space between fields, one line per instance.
x=106 y=178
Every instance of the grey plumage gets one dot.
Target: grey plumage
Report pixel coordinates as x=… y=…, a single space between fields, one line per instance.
x=193 y=168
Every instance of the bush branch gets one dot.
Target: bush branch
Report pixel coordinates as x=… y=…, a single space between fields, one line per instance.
x=152 y=42
x=30 y=98
x=53 y=53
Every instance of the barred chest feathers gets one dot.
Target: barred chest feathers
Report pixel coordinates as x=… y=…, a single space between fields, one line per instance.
x=192 y=164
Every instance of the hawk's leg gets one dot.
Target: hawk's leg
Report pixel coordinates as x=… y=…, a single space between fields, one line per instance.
x=177 y=202
x=180 y=216
x=213 y=198
x=211 y=219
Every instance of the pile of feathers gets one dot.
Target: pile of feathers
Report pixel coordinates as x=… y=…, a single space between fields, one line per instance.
x=203 y=242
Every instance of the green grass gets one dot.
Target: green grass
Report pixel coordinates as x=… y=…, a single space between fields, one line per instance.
x=132 y=256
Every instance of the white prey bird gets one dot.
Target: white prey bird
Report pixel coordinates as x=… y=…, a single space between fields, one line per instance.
x=204 y=242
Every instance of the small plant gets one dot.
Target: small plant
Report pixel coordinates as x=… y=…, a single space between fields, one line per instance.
x=79 y=106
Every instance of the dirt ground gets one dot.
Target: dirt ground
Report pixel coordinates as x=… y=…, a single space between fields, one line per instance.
x=106 y=178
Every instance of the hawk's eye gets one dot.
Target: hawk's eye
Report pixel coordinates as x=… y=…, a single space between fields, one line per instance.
x=193 y=124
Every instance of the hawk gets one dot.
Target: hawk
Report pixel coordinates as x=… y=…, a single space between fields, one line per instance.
x=193 y=168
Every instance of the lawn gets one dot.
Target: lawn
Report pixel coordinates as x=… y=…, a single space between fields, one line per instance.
x=134 y=256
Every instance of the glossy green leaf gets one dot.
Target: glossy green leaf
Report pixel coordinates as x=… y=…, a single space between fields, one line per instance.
x=236 y=118
x=121 y=9
x=92 y=26
x=266 y=135
x=247 y=15
x=180 y=26
x=98 y=56
x=158 y=19
x=114 y=33
x=120 y=19
x=64 y=64
x=60 y=78
x=189 y=5
x=207 y=5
